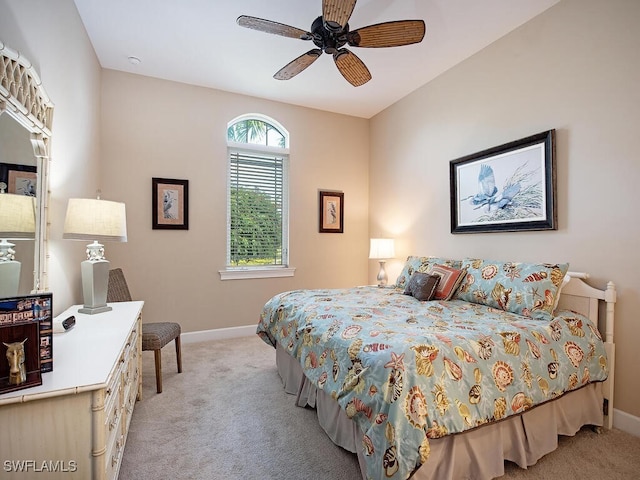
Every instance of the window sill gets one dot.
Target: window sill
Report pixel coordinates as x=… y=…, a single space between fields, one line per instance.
x=246 y=273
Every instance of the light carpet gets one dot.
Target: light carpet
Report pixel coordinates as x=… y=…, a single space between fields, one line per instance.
x=227 y=417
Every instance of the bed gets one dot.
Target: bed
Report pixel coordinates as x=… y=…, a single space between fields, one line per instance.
x=505 y=358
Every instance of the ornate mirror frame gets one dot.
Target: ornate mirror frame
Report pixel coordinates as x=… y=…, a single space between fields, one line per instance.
x=23 y=97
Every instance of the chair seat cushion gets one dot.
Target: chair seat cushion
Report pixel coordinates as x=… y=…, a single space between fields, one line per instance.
x=157 y=335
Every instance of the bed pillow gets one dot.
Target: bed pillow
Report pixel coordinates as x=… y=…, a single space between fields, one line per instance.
x=422 y=286
x=421 y=264
x=450 y=280
x=528 y=289
x=565 y=280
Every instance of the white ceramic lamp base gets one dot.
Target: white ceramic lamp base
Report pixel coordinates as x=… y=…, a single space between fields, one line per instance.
x=95 y=281
x=9 y=278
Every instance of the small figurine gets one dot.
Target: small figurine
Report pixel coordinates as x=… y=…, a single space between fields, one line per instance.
x=15 y=357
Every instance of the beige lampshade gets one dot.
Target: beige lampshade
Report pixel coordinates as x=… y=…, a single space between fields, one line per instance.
x=382 y=248
x=17 y=216
x=94 y=219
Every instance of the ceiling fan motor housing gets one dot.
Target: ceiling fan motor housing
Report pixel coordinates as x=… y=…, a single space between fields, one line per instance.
x=327 y=39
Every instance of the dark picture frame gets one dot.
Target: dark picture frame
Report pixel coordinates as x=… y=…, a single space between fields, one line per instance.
x=170 y=204
x=20 y=179
x=331 y=212
x=508 y=188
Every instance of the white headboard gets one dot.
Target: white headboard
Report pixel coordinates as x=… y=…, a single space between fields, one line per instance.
x=580 y=297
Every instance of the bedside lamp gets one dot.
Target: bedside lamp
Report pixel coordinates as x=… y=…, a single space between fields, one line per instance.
x=382 y=249
x=17 y=222
x=101 y=221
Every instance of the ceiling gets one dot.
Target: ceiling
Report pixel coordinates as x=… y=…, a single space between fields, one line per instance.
x=198 y=42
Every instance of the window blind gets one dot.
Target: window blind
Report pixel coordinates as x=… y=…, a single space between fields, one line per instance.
x=257 y=227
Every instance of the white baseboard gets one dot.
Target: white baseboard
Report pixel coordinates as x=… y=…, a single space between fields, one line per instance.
x=626 y=422
x=218 y=334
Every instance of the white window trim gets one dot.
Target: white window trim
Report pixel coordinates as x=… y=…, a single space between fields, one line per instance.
x=243 y=273
x=249 y=147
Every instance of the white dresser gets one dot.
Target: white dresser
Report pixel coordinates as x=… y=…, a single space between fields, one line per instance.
x=75 y=424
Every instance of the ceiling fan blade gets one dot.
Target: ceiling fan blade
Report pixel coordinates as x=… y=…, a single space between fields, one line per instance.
x=336 y=13
x=388 y=34
x=294 y=67
x=276 y=28
x=351 y=67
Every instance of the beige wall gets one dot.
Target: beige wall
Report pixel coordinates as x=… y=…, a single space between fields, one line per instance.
x=574 y=69
x=155 y=128
x=51 y=36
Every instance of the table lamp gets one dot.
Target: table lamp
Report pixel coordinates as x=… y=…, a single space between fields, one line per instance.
x=382 y=249
x=101 y=221
x=17 y=222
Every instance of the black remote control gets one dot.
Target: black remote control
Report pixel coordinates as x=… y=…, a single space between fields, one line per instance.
x=69 y=322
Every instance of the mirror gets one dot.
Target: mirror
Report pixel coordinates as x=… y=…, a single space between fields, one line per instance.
x=26 y=114
x=18 y=171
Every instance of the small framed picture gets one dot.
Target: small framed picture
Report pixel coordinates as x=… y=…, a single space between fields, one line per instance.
x=170 y=204
x=22 y=182
x=331 y=212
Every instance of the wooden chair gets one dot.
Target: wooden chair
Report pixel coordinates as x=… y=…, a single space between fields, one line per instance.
x=154 y=335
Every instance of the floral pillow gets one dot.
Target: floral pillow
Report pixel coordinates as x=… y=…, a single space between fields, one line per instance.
x=528 y=289
x=422 y=286
x=421 y=264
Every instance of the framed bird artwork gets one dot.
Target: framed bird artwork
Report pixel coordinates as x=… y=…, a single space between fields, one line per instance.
x=507 y=188
x=170 y=204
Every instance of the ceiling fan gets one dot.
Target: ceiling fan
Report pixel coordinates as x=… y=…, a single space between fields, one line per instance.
x=330 y=33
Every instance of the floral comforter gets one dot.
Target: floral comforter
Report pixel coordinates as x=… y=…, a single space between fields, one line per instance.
x=407 y=371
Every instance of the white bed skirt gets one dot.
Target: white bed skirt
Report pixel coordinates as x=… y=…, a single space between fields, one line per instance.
x=477 y=454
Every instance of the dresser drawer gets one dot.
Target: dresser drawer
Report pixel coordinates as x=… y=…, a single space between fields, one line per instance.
x=113 y=409
x=113 y=392
x=127 y=376
x=131 y=366
x=130 y=382
x=131 y=343
x=117 y=406
x=131 y=377
x=113 y=414
x=114 y=457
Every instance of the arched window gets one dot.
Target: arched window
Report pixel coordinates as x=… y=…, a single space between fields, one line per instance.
x=257 y=130
x=257 y=198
